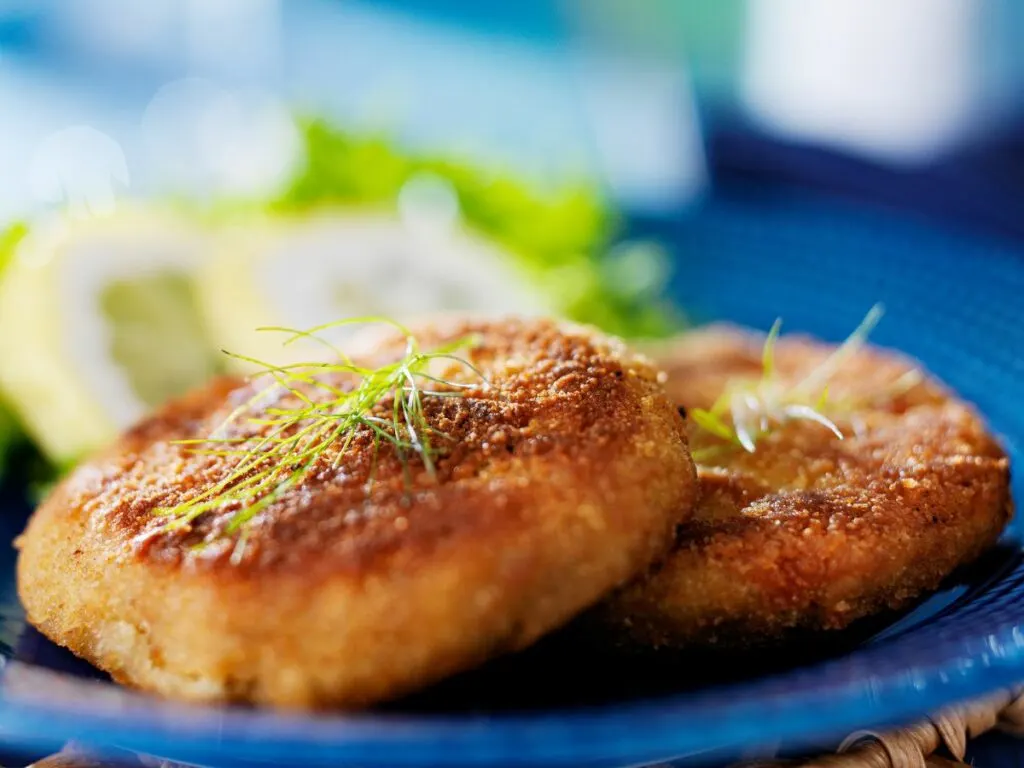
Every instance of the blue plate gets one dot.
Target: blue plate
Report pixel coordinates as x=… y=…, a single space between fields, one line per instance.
x=954 y=300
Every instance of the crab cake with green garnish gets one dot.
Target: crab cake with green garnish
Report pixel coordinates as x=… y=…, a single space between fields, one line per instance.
x=800 y=530
x=359 y=532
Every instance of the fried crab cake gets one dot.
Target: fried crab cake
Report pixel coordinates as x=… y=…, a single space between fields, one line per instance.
x=810 y=532
x=559 y=479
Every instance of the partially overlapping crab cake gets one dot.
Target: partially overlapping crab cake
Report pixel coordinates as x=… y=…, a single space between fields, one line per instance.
x=800 y=531
x=557 y=470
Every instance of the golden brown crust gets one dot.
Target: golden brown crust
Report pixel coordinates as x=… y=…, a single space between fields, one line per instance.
x=565 y=478
x=810 y=532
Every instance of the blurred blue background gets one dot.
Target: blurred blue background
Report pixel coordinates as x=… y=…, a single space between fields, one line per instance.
x=917 y=105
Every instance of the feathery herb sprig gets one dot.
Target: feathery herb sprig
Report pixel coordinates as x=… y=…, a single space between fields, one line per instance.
x=750 y=409
x=289 y=440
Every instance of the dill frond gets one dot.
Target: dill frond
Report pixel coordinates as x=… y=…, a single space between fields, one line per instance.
x=300 y=416
x=750 y=409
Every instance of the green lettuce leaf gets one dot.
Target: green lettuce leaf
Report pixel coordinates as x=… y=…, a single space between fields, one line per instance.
x=562 y=239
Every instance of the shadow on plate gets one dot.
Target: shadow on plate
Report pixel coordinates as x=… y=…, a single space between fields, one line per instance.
x=561 y=671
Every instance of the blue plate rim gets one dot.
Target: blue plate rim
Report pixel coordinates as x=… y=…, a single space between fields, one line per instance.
x=638 y=732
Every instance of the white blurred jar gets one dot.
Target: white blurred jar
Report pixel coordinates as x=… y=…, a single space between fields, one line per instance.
x=901 y=81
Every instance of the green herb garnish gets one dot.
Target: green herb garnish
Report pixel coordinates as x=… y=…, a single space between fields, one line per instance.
x=332 y=404
x=749 y=409
x=562 y=239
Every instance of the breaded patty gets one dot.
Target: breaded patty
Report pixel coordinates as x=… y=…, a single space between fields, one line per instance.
x=561 y=480
x=811 y=532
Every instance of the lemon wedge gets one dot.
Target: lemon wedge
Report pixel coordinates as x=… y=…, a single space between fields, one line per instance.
x=304 y=271
x=99 y=322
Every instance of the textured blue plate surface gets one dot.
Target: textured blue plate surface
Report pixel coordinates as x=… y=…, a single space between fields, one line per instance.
x=954 y=300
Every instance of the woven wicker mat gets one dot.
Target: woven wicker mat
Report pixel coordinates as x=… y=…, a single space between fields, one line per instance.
x=940 y=741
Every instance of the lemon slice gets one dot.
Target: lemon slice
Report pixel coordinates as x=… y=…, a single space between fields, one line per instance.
x=99 y=322
x=302 y=272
